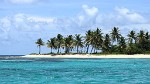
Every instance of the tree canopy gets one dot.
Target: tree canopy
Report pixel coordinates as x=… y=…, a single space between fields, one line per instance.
x=98 y=42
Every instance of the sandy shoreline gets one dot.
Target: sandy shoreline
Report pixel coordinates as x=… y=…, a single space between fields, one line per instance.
x=87 y=56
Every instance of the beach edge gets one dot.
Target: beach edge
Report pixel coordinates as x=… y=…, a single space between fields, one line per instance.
x=88 y=56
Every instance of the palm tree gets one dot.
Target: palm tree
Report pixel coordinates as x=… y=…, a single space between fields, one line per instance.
x=94 y=39
x=78 y=42
x=106 y=43
x=132 y=36
x=40 y=43
x=122 y=44
x=141 y=36
x=52 y=44
x=88 y=39
x=68 y=41
x=144 y=43
x=98 y=39
x=60 y=41
x=115 y=35
x=147 y=36
x=49 y=45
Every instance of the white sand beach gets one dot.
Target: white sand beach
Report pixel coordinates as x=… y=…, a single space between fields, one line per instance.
x=88 y=56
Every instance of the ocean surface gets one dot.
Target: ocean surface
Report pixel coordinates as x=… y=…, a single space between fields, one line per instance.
x=74 y=71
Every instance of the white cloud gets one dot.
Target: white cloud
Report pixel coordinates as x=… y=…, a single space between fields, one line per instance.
x=90 y=11
x=136 y=27
x=5 y=22
x=40 y=19
x=22 y=1
x=22 y=27
x=26 y=22
x=88 y=18
x=120 y=17
x=130 y=15
x=19 y=18
x=91 y=17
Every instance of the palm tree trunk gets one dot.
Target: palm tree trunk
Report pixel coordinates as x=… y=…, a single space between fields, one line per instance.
x=135 y=41
x=69 y=49
x=112 y=43
x=66 y=49
x=77 y=48
x=51 y=50
x=39 y=49
x=94 y=50
x=91 y=50
x=87 y=49
x=131 y=40
x=58 y=48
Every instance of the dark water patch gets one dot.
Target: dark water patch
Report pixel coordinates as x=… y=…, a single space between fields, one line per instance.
x=11 y=69
x=49 y=59
x=16 y=61
x=24 y=60
x=3 y=56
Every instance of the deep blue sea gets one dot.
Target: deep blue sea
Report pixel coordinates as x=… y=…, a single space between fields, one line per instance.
x=74 y=71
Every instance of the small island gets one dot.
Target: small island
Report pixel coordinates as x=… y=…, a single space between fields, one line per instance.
x=96 y=44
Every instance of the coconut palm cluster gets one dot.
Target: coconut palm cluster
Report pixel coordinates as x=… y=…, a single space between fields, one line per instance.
x=95 y=41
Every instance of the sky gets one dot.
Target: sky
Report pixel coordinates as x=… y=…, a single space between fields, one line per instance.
x=22 y=22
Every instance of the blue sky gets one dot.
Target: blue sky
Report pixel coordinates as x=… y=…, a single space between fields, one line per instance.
x=22 y=22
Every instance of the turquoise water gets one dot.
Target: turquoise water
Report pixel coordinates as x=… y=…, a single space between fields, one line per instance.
x=74 y=71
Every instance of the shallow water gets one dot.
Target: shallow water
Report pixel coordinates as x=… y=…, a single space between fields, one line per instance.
x=74 y=71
